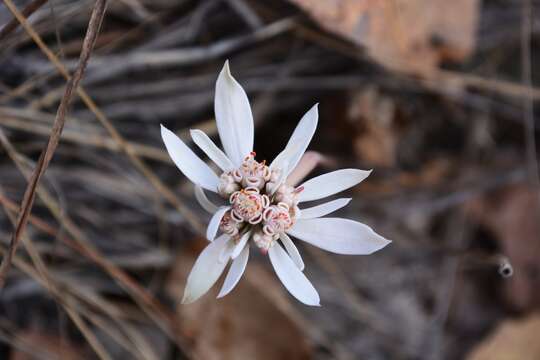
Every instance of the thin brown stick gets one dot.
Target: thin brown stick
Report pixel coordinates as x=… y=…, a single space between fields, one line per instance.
x=26 y=12
x=23 y=89
x=76 y=240
x=29 y=195
x=165 y=191
x=81 y=138
x=67 y=302
x=45 y=279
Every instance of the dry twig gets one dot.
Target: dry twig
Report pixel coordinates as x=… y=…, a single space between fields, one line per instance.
x=26 y=12
x=46 y=156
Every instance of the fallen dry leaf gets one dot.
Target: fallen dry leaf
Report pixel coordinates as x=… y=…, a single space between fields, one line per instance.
x=406 y=35
x=512 y=340
x=246 y=324
x=512 y=215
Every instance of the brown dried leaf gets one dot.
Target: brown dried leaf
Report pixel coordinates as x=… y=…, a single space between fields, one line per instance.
x=405 y=35
x=246 y=324
x=511 y=340
x=513 y=217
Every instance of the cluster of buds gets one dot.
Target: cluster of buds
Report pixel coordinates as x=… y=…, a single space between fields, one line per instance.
x=248 y=205
x=260 y=202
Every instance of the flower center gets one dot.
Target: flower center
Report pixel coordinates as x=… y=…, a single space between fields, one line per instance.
x=277 y=219
x=230 y=226
x=248 y=205
x=252 y=173
x=255 y=206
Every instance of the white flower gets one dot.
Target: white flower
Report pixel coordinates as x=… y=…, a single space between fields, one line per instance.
x=260 y=206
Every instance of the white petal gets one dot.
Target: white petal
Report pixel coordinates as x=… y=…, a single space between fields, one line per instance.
x=211 y=150
x=341 y=236
x=331 y=183
x=206 y=270
x=238 y=248
x=323 y=209
x=235 y=272
x=292 y=250
x=281 y=179
x=203 y=200
x=213 y=225
x=225 y=254
x=233 y=117
x=189 y=164
x=300 y=138
x=292 y=278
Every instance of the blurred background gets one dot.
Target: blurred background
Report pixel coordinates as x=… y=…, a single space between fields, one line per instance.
x=436 y=96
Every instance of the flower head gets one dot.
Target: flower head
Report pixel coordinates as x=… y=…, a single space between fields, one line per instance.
x=260 y=207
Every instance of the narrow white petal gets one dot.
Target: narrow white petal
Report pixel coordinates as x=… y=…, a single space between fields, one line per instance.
x=235 y=272
x=211 y=150
x=213 y=225
x=281 y=179
x=206 y=270
x=238 y=248
x=225 y=254
x=189 y=164
x=292 y=250
x=292 y=278
x=341 y=236
x=331 y=183
x=323 y=209
x=233 y=117
x=300 y=138
x=203 y=200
